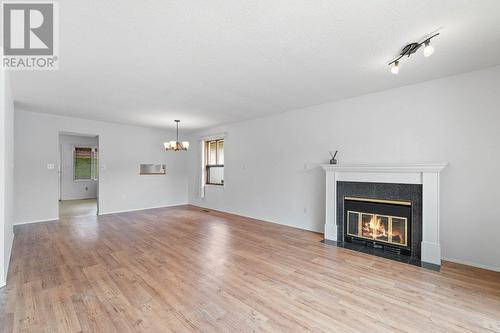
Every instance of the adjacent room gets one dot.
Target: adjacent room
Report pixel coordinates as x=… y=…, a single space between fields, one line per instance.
x=250 y=166
x=78 y=175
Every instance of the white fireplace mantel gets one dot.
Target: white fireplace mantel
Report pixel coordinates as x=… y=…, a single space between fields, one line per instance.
x=426 y=174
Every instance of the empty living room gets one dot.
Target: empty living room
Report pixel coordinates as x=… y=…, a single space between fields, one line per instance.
x=250 y=166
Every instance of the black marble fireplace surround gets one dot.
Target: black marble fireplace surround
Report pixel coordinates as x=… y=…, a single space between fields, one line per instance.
x=385 y=191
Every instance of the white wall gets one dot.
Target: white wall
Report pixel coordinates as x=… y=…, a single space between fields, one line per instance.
x=6 y=174
x=271 y=164
x=72 y=189
x=122 y=149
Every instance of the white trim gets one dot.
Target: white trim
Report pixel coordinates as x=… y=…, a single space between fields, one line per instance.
x=308 y=229
x=3 y=283
x=83 y=146
x=214 y=186
x=79 y=134
x=215 y=136
x=386 y=167
x=79 y=198
x=36 y=221
x=469 y=263
x=202 y=175
x=7 y=262
x=138 y=209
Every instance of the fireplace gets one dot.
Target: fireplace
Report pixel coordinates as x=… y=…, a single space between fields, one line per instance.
x=412 y=193
x=378 y=223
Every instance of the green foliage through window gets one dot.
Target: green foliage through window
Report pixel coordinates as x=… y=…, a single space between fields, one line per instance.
x=85 y=163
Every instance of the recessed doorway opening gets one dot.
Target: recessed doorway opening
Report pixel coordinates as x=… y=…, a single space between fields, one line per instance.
x=78 y=175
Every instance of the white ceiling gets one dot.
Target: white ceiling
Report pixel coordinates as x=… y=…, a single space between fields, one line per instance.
x=210 y=62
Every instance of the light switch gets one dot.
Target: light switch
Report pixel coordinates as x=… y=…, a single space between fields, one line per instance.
x=50 y=166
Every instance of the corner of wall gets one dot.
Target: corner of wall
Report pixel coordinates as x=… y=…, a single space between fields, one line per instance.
x=8 y=176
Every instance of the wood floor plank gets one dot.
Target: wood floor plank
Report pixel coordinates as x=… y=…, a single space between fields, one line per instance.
x=185 y=269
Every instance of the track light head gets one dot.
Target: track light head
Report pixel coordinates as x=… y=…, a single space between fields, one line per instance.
x=395 y=68
x=428 y=49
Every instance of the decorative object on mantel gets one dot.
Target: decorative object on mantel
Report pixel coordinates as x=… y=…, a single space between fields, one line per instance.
x=153 y=169
x=333 y=160
x=411 y=48
x=176 y=145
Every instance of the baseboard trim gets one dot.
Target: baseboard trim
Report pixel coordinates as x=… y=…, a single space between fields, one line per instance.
x=36 y=221
x=469 y=263
x=257 y=218
x=139 y=209
x=8 y=255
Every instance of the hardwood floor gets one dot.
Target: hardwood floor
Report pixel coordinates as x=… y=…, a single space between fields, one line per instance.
x=182 y=269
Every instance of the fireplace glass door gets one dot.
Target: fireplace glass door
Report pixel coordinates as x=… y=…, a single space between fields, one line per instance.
x=381 y=228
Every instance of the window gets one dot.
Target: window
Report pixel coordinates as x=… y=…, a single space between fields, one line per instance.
x=85 y=163
x=214 y=157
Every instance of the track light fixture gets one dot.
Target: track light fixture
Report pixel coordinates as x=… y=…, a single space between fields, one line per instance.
x=411 y=48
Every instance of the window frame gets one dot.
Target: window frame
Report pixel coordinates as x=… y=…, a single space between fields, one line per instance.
x=208 y=166
x=94 y=166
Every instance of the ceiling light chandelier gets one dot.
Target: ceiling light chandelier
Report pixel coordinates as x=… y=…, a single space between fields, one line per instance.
x=411 y=48
x=176 y=145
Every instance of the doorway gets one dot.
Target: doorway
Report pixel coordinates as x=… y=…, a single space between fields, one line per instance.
x=78 y=175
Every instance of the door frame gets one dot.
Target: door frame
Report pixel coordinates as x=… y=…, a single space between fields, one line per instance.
x=61 y=167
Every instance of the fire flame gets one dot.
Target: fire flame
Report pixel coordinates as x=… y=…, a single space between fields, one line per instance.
x=374 y=227
x=383 y=228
